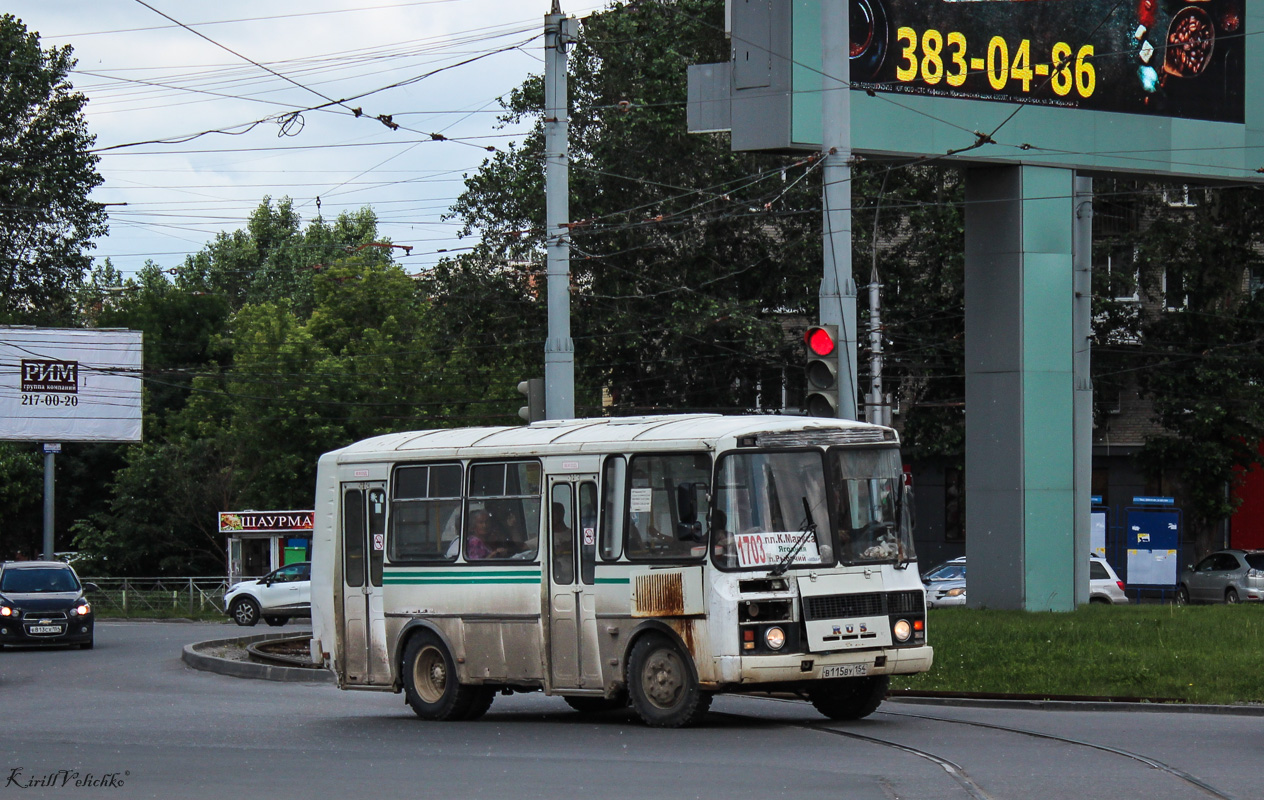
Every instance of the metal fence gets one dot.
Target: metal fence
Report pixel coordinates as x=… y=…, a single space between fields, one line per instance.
x=158 y=596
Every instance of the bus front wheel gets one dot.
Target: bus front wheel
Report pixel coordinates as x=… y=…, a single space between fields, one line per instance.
x=664 y=689
x=431 y=688
x=850 y=698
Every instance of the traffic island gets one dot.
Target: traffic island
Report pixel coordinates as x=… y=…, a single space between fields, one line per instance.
x=234 y=657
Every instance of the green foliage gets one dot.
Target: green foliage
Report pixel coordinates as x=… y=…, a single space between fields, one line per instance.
x=1193 y=341
x=922 y=272
x=1205 y=654
x=271 y=346
x=688 y=257
x=47 y=220
x=21 y=497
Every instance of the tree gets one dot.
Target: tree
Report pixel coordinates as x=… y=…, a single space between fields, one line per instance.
x=688 y=259
x=47 y=171
x=1203 y=344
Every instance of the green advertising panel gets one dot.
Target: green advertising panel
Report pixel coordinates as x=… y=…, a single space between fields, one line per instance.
x=1144 y=86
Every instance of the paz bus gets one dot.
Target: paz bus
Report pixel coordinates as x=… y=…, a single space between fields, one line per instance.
x=651 y=561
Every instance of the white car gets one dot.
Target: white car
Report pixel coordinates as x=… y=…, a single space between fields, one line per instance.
x=1104 y=585
x=275 y=598
x=946 y=584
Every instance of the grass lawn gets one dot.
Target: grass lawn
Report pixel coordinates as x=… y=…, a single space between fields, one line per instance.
x=1200 y=654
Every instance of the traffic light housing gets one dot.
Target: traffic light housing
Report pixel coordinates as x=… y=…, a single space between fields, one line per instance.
x=821 y=369
x=533 y=388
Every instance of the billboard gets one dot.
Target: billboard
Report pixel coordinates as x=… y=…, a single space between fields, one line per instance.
x=1167 y=58
x=70 y=385
x=1171 y=88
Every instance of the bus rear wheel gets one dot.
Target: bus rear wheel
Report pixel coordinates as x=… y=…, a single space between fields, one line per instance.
x=663 y=686
x=431 y=688
x=850 y=698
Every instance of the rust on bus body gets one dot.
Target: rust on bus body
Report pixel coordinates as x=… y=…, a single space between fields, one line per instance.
x=660 y=595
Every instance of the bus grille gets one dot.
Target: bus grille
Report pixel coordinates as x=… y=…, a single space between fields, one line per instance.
x=874 y=604
x=906 y=602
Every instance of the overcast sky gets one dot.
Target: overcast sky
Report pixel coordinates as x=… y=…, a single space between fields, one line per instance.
x=148 y=78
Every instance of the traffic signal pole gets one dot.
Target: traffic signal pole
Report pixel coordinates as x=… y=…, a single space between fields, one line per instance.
x=838 y=287
x=559 y=349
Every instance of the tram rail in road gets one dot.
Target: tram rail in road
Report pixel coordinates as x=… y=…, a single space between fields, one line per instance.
x=959 y=774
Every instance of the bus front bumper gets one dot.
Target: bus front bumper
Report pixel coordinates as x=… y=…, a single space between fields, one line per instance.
x=750 y=670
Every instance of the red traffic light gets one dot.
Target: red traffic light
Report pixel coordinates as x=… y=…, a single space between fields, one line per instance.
x=820 y=341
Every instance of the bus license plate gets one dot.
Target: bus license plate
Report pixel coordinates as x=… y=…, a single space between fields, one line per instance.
x=45 y=629
x=845 y=671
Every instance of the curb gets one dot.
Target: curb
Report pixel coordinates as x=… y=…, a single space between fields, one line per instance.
x=249 y=669
x=1080 y=705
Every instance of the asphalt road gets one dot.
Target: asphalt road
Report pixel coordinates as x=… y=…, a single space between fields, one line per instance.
x=132 y=710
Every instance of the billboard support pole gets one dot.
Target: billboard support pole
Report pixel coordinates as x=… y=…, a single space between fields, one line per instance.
x=50 y=453
x=838 y=286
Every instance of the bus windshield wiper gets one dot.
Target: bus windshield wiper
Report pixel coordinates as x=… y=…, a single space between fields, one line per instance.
x=808 y=529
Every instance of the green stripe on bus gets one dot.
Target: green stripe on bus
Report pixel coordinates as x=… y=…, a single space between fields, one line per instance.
x=465 y=581
x=613 y=580
x=523 y=573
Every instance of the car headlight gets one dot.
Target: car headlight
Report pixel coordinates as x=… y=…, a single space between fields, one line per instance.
x=775 y=638
x=957 y=592
x=5 y=611
x=82 y=609
x=902 y=630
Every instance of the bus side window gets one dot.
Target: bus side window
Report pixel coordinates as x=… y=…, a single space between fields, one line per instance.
x=562 y=535
x=654 y=506
x=612 y=497
x=502 y=514
x=425 y=513
x=353 y=537
x=587 y=530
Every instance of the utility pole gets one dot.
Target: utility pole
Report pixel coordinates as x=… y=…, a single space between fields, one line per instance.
x=838 y=287
x=879 y=403
x=559 y=349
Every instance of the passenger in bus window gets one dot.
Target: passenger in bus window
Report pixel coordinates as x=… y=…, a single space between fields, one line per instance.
x=484 y=540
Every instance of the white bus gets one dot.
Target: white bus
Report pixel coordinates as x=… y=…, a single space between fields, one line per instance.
x=653 y=561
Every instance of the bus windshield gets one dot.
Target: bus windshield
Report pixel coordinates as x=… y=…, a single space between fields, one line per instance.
x=770 y=508
x=868 y=505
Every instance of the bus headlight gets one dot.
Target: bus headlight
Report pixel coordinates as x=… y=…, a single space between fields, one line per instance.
x=902 y=630
x=775 y=638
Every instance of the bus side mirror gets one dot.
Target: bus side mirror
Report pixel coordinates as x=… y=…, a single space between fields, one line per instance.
x=688 y=529
x=686 y=508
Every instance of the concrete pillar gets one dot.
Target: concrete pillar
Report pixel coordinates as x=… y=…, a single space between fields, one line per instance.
x=1020 y=388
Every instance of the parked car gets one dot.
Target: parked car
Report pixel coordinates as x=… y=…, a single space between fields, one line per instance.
x=1104 y=585
x=279 y=596
x=1226 y=576
x=946 y=584
x=42 y=602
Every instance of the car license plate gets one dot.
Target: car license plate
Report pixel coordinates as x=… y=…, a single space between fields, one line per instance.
x=845 y=671
x=45 y=629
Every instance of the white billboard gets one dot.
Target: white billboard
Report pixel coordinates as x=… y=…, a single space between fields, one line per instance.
x=70 y=385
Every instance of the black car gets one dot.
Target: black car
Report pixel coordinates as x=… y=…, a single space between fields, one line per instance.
x=42 y=602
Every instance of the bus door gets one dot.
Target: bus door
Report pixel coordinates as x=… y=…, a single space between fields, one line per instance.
x=574 y=662
x=364 y=650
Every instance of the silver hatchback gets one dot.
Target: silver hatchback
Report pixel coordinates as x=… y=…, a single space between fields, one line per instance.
x=1226 y=576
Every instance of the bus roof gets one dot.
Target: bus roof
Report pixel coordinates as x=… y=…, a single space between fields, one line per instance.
x=604 y=433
